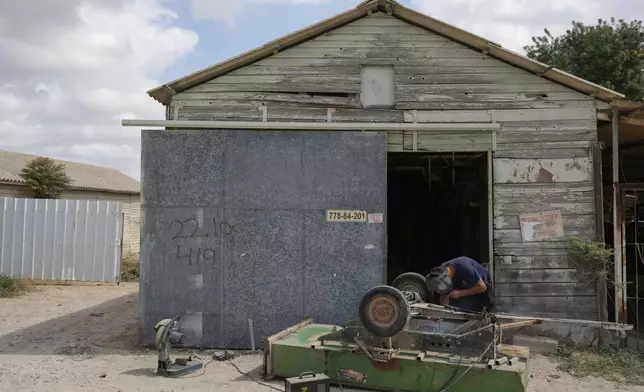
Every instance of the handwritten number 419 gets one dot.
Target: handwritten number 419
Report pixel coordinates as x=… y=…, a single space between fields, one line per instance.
x=202 y=254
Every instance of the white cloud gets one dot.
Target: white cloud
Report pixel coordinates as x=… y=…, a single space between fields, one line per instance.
x=70 y=72
x=512 y=23
x=227 y=11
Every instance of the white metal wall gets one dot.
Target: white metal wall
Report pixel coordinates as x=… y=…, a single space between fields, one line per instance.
x=61 y=239
x=131 y=209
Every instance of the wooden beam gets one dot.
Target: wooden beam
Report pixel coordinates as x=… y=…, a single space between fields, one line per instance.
x=631 y=121
x=603 y=117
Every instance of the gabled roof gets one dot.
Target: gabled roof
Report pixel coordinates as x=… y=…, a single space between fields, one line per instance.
x=84 y=177
x=165 y=92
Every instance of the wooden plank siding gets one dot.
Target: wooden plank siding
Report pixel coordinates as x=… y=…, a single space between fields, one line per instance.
x=542 y=160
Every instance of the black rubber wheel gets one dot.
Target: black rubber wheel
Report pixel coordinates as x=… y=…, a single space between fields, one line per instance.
x=384 y=311
x=414 y=282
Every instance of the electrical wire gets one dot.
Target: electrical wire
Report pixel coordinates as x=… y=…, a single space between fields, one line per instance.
x=339 y=381
x=203 y=371
x=253 y=379
x=468 y=369
x=460 y=359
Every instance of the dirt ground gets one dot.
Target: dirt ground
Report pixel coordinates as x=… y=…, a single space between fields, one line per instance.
x=73 y=338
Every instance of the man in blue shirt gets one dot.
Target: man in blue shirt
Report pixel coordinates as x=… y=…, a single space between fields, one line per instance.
x=463 y=283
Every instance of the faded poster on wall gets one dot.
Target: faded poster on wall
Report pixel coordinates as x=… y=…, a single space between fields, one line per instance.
x=541 y=226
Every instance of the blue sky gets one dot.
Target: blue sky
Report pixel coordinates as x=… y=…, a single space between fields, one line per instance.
x=73 y=70
x=220 y=41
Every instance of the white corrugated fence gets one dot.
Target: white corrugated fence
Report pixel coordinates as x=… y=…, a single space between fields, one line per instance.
x=61 y=239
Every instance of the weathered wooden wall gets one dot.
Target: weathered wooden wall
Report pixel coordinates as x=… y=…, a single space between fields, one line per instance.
x=542 y=161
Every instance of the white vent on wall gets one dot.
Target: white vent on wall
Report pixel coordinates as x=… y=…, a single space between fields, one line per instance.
x=378 y=86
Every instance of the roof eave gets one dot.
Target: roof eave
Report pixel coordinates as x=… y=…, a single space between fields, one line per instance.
x=164 y=93
x=497 y=51
x=8 y=181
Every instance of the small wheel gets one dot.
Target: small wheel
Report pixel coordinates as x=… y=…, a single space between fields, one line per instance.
x=384 y=311
x=413 y=282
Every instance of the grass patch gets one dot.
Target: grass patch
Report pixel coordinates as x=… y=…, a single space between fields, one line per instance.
x=620 y=365
x=12 y=287
x=130 y=269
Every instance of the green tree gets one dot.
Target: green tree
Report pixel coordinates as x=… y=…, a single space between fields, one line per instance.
x=46 y=178
x=607 y=54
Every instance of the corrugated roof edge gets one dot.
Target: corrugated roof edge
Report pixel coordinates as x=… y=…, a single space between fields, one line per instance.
x=164 y=93
x=73 y=187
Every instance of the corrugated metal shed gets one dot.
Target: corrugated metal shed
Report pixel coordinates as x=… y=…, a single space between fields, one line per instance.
x=61 y=239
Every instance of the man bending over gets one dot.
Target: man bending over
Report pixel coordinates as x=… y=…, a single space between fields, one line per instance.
x=463 y=283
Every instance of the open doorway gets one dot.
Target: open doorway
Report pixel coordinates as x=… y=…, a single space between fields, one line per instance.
x=437 y=208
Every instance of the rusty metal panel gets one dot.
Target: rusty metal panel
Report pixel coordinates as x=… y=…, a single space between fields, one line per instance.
x=61 y=239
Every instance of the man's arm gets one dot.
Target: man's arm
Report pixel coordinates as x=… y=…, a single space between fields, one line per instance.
x=444 y=300
x=479 y=287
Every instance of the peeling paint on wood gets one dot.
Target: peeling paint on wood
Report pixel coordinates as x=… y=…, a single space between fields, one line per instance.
x=281 y=79
x=540 y=289
x=481 y=61
x=521 y=138
x=542 y=170
x=562 y=126
x=448 y=143
x=570 y=305
x=503 y=115
x=291 y=114
x=195 y=99
x=341 y=35
x=511 y=190
x=550 y=248
x=537 y=153
x=504 y=97
x=379 y=52
x=514 y=235
x=571 y=222
x=533 y=262
x=544 y=194
x=483 y=104
x=522 y=206
x=475 y=78
x=537 y=275
x=545 y=146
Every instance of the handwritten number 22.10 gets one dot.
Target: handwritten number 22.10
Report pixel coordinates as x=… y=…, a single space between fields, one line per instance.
x=189 y=228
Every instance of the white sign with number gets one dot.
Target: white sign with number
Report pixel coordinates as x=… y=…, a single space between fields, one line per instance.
x=346 y=216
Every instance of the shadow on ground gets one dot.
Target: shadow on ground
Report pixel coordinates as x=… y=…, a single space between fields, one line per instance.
x=143 y=372
x=108 y=328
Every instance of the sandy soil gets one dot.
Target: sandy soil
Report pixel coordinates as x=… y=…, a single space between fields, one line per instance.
x=79 y=338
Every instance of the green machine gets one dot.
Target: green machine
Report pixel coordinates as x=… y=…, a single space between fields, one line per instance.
x=402 y=343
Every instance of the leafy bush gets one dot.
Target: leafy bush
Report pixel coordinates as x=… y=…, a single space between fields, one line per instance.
x=11 y=287
x=46 y=178
x=590 y=258
x=130 y=269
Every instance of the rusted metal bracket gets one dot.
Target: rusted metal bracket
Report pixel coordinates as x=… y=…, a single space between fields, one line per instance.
x=374 y=353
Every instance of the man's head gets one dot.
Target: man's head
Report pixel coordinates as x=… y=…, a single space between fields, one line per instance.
x=439 y=280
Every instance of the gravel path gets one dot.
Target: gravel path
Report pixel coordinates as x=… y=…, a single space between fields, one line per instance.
x=79 y=338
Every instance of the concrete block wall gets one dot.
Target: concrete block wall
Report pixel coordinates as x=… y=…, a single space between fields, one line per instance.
x=234 y=227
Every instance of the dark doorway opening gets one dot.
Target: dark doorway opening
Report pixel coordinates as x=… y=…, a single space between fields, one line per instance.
x=437 y=208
